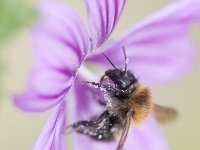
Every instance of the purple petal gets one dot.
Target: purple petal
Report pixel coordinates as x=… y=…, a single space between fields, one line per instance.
x=52 y=136
x=60 y=44
x=147 y=136
x=160 y=49
x=103 y=16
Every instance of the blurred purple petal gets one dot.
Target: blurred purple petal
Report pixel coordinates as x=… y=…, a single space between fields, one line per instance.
x=103 y=16
x=160 y=48
x=52 y=137
x=80 y=141
x=32 y=102
x=60 y=25
x=60 y=46
x=148 y=135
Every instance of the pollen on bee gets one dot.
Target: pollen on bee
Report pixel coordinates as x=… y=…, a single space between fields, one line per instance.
x=100 y=137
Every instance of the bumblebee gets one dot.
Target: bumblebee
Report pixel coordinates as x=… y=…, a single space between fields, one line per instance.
x=125 y=101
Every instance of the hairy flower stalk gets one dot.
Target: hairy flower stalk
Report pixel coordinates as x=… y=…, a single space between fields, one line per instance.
x=160 y=50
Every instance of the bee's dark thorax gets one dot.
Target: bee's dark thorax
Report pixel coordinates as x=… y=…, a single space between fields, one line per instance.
x=139 y=101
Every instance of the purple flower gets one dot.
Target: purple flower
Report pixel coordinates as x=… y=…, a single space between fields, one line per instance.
x=159 y=48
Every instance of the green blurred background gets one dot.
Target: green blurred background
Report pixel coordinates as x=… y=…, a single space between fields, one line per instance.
x=19 y=130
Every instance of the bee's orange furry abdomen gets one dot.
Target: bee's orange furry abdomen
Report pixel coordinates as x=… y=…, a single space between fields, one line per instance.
x=141 y=104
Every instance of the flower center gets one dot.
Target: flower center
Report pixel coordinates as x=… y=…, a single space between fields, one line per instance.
x=86 y=73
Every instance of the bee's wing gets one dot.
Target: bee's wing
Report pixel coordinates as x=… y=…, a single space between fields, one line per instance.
x=164 y=114
x=124 y=134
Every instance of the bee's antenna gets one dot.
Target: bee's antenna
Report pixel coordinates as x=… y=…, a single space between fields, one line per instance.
x=125 y=58
x=111 y=62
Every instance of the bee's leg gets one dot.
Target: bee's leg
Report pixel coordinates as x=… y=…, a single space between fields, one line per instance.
x=93 y=84
x=89 y=123
x=126 y=126
x=96 y=85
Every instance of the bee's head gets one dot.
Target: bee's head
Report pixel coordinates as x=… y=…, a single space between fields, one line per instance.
x=122 y=83
x=123 y=80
